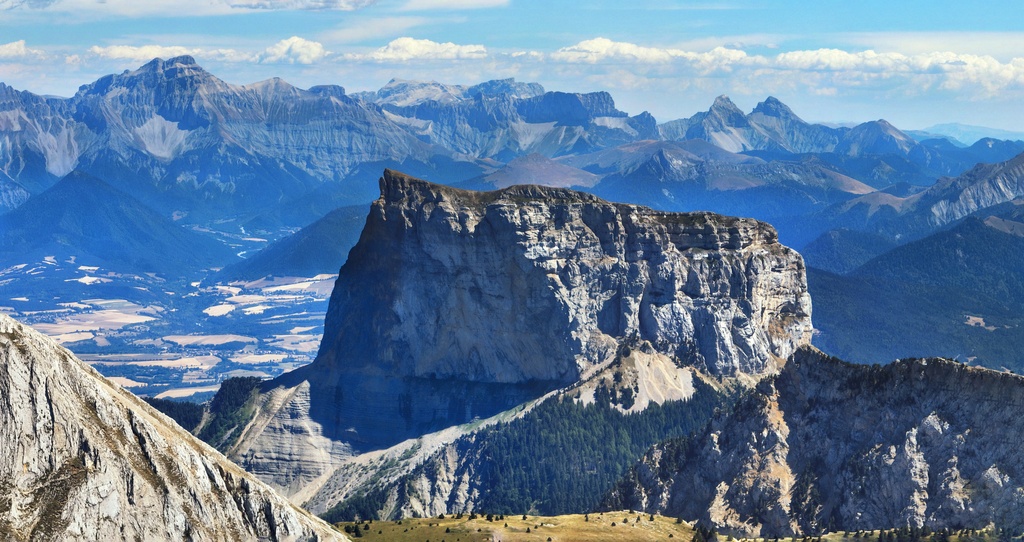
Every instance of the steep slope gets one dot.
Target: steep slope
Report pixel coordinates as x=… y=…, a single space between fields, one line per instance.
x=457 y=305
x=84 y=217
x=956 y=293
x=82 y=459
x=874 y=152
x=841 y=251
x=695 y=175
x=320 y=248
x=504 y=121
x=827 y=445
x=180 y=139
x=40 y=137
x=534 y=169
x=949 y=200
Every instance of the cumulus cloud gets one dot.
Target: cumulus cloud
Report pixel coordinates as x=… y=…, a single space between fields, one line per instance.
x=17 y=50
x=825 y=69
x=944 y=70
x=145 y=53
x=601 y=50
x=406 y=49
x=294 y=50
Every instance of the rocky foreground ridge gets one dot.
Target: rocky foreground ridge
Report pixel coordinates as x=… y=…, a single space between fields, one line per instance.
x=82 y=459
x=458 y=305
x=827 y=445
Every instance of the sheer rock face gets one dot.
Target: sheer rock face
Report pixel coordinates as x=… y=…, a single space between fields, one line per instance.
x=81 y=459
x=537 y=284
x=457 y=305
x=828 y=445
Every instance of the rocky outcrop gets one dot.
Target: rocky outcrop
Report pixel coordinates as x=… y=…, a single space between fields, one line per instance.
x=82 y=459
x=457 y=305
x=946 y=202
x=828 y=445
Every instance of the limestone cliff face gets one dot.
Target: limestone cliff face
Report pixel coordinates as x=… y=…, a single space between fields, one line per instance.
x=81 y=459
x=828 y=445
x=536 y=284
x=457 y=305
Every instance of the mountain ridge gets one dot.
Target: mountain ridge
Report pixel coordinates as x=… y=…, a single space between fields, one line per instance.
x=84 y=460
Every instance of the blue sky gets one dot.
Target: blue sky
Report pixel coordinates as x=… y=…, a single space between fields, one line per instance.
x=911 y=62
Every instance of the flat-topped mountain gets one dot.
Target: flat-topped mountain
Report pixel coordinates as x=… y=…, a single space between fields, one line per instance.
x=456 y=305
x=82 y=459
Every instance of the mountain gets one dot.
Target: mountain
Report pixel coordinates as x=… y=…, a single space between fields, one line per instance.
x=771 y=126
x=456 y=306
x=320 y=248
x=695 y=175
x=947 y=201
x=968 y=134
x=85 y=460
x=534 y=169
x=401 y=93
x=180 y=139
x=830 y=446
x=841 y=251
x=875 y=152
x=504 y=121
x=955 y=293
x=84 y=217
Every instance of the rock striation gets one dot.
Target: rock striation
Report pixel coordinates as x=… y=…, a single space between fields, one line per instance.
x=827 y=445
x=456 y=305
x=82 y=459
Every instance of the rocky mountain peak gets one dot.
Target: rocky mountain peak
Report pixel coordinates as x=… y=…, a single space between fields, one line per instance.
x=772 y=107
x=526 y=242
x=457 y=305
x=829 y=445
x=82 y=459
x=725 y=107
x=508 y=86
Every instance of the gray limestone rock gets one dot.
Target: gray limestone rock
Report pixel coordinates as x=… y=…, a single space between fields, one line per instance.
x=828 y=445
x=458 y=305
x=83 y=460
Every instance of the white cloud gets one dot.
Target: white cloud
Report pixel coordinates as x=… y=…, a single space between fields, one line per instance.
x=17 y=50
x=1003 y=45
x=423 y=5
x=145 y=53
x=294 y=50
x=147 y=8
x=818 y=69
x=604 y=49
x=406 y=49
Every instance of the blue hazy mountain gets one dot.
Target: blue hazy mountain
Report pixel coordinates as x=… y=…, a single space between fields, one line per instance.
x=84 y=217
x=319 y=248
x=955 y=293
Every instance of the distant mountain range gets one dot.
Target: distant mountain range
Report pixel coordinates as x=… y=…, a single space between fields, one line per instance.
x=968 y=134
x=85 y=218
x=167 y=156
x=182 y=141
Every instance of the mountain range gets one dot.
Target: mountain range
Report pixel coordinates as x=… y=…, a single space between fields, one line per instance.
x=749 y=442
x=512 y=340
